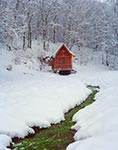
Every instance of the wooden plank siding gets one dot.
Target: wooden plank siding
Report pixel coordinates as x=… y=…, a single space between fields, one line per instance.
x=62 y=59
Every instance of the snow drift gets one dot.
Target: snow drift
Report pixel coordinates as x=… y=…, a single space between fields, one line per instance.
x=97 y=124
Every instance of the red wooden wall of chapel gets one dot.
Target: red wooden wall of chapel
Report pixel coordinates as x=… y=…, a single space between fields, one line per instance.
x=63 y=59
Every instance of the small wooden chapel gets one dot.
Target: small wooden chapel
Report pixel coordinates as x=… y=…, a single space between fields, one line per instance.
x=62 y=59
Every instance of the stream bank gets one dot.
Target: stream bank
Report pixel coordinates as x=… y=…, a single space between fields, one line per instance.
x=56 y=137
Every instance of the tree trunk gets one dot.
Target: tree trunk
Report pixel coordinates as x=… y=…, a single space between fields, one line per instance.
x=17 y=4
x=107 y=58
x=44 y=44
x=29 y=36
x=54 y=35
x=44 y=39
x=24 y=42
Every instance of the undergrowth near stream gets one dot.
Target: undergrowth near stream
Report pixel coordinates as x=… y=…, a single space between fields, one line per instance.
x=56 y=137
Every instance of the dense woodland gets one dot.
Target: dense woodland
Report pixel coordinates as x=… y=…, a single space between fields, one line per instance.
x=87 y=23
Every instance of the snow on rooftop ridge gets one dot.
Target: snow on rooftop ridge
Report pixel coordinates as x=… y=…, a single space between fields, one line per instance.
x=69 y=49
x=63 y=44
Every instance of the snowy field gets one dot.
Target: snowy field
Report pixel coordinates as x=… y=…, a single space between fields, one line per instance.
x=35 y=99
x=97 y=124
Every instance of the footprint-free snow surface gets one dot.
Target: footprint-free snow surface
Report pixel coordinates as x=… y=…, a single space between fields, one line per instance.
x=97 y=124
x=30 y=99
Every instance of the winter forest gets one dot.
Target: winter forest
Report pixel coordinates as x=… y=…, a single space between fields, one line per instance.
x=58 y=74
x=80 y=23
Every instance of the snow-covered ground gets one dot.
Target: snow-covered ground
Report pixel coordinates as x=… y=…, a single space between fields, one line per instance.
x=97 y=124
x=33 y=98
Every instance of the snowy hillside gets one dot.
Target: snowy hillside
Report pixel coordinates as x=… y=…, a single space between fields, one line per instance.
x=97 y=124
x=28 y=59
x=89 y=23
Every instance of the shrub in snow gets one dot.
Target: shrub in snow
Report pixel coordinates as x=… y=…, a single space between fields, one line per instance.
x=9 y=67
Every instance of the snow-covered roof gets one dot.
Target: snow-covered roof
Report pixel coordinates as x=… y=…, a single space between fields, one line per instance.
x=61 y=47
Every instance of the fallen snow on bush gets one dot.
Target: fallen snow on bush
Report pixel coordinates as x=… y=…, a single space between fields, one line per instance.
x=35 y=99
x=97 y=124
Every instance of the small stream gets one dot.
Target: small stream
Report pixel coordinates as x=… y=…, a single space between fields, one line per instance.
x=56 y=137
